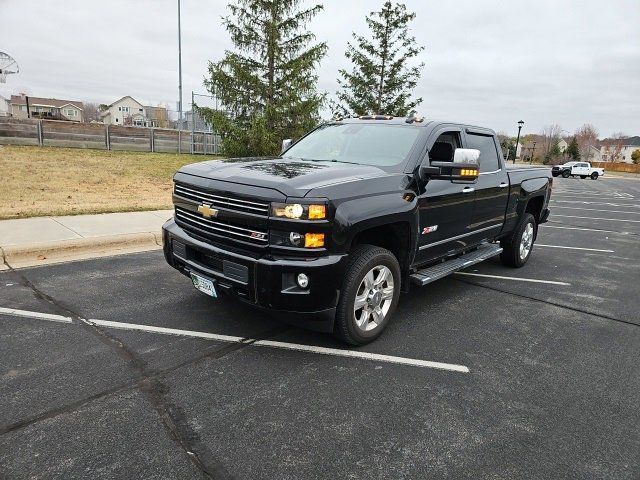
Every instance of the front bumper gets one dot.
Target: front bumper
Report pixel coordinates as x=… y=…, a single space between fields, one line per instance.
x=263 y=280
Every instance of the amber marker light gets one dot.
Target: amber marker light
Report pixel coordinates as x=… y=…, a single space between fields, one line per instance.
x=317 y=212
x=314 y=240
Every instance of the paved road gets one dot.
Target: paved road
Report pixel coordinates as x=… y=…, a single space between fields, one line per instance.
x=552 y=389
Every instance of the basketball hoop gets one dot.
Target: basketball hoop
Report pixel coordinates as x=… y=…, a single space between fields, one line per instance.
x=7 y=66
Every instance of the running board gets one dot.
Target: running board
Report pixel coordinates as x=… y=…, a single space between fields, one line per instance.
x=436 y=272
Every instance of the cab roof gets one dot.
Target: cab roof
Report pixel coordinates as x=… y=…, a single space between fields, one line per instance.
x=411 y=120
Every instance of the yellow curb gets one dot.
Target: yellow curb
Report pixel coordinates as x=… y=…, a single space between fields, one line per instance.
x=20 y=256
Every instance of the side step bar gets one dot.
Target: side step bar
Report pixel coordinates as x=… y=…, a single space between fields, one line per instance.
x=436 y=272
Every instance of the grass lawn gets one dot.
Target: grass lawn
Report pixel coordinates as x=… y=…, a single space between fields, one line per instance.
x=40 y=181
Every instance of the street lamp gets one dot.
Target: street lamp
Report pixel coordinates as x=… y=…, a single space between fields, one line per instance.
x=520 y=124
x=179 y=72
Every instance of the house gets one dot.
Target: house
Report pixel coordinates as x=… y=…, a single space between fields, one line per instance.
x=157 y=116
x=562 y=145
x=48 y=108
x=200 y=124
x=5 y=109
x=128 y=111
x=619 y=149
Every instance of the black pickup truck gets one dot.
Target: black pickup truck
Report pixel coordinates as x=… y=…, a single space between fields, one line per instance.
x=328 y=234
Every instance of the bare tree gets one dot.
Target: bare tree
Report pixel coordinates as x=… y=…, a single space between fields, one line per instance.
x=612 y=147
x=550 y=137
x=91 y=112
x=586 y=136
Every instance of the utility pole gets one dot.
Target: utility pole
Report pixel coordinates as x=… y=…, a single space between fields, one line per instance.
x=515 y=154
x=179 y=71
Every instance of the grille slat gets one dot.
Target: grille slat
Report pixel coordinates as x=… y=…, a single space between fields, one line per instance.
x=219 y=201
x=216 y=227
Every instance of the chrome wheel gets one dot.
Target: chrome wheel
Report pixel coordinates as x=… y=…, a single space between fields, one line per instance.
x=526 y=242
x=373 y=298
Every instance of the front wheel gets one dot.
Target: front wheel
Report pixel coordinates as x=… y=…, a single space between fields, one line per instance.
x=594 y=176
x=516 y=249
x=369 y=295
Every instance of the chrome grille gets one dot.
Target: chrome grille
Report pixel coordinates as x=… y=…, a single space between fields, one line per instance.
x=219 y=201
x=220 y=228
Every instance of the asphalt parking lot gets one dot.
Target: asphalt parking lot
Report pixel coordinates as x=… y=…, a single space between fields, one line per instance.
x=494 y=373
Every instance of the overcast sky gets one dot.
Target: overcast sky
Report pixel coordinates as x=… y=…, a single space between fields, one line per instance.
x=488 y=62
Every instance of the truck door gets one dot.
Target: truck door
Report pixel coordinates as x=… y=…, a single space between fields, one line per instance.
x=492 y=187
x=445 y=207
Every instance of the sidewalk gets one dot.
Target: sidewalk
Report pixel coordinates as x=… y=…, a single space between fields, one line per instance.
x=42 y=240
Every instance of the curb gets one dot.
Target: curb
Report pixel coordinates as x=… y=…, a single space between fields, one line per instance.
x=33 y=254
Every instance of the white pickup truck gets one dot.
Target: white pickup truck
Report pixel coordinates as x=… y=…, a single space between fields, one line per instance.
x=577 y=169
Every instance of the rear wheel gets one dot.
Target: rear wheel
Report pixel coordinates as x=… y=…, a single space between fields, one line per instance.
x=517 y=248
x=565 y=174
x=369 y=295
x=594 y=176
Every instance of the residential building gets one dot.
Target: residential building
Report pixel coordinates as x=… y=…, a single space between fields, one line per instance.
x=619 y=150
x=48 y=108
x=157 y=116
x=5 y=109
x=125 y=111
x=129 y=112
x=188 y=122
x=562 y=145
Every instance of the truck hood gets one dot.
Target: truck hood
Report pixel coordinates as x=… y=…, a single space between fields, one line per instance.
x=292 y=178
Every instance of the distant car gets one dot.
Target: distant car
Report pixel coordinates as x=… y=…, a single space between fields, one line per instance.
x=577 y=169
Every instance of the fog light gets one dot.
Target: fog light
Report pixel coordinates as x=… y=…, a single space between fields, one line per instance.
x=296 y=239
x=314 y=240
x=302 y=280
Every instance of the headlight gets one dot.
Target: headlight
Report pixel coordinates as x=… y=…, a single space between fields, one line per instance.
x=299 y=211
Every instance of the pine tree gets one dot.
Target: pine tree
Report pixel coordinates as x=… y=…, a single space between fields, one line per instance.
x=382 y=80
x=572 y=151
x=267 y=84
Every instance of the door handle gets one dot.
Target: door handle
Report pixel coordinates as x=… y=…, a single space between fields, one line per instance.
x=503 y=185
x=468 y=189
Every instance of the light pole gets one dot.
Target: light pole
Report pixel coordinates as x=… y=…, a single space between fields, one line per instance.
x=179 y=71
x=520 y=124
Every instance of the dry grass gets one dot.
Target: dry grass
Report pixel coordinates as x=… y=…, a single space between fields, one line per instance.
x=65 y=181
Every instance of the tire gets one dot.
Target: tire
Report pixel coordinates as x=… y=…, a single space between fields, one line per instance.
x=359 y=326
x=583 y=177
x=566 y=174
x=511 y=255
x=594 y=176
x=554 y=174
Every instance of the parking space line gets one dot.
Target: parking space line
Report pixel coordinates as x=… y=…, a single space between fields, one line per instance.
x=585 y=229
x=608 y=204
x=598 y=218
x=516 y=279
x=336 y=352
x=596 y=210
x=574 y=248
x=363 y=355
x=39 y=315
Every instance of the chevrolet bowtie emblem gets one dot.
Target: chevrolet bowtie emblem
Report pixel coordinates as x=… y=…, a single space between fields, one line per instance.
x=207 y=211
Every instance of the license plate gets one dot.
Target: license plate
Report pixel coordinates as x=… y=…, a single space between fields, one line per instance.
x=204 y=285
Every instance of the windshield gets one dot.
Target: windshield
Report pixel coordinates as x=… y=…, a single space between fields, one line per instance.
x=381 y=145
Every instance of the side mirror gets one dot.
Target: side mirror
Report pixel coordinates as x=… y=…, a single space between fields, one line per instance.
x=286 y=143
x=464 y=167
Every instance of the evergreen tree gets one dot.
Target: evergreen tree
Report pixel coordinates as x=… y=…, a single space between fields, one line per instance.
x=267 y=85
x=573 y=151
x=382 y=80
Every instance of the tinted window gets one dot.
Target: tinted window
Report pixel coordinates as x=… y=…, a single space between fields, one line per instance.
x=488 y=153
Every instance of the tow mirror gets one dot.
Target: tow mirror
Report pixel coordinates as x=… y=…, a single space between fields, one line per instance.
x=464 y=167
x=286 y=143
